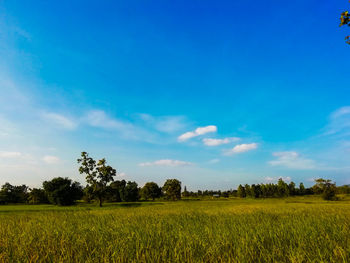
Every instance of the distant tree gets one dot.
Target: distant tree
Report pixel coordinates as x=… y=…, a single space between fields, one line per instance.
x=302 y=189
x=241 y=191
x=13 y=194
x=37 y=196
x=248 y=190
x=172 y=189
x=98 y=176
x=291 y=188
x=283 y=189
x=131 y=192
x=62 y=191
x=185 y=193
x=327 y=188
x=151 y=191
x=117 y=190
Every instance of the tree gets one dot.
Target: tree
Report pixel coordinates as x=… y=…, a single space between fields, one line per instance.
x=247 y=190
x=98 y=176
x=38 y=196
x=283 y=189
x=117 y=190
x=151 y=191
x=185 y=193
x=131 y=192
x=345 y=20
x=62 y=191
x=172 y=189
x=301 y=189
x=241 y=191
x=325 y=187
x=13 y=194
x=291 y=188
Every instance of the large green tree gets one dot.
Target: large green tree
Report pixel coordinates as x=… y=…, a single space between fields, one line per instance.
x=62 y=191
x=151 y=191
x=326 y=188
x=172 y=189
x=98 y=176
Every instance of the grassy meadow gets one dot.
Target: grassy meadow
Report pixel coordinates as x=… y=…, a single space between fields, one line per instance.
x=299 y=229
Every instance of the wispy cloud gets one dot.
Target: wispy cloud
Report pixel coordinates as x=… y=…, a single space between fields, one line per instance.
x=167 y=124
x=216 y=142
x=10 y=154
x=241 y=148
x=49 y=159
x=292 y=160
x=59 y=120
x=339 y=122
x=166 y=162
x=99 y=118
x=197 y=132
x=212 y=161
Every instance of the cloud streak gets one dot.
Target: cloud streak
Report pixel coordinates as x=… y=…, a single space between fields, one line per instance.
x=292 y=160
x=241 y=148
x=49 y=159
x=197 y=132
x=166 y=162
x=10 y=154
x=217 y=142
x=59 y=120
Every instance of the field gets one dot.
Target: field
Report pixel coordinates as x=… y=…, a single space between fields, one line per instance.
x=273 y=230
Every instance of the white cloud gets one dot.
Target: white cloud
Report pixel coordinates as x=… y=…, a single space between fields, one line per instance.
x=241 y=148
x=216 y=142
x=122 y=174
x=212 y=161
x=292 y=160
x=49 y=159
x=197 y=132
x=275 y=179
x=10 y=154
x=166 y=162
x=59 y=120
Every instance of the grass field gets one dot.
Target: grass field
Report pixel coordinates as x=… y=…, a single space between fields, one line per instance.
x=273 y=230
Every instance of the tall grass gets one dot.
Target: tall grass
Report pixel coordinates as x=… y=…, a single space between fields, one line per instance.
x=204 y=231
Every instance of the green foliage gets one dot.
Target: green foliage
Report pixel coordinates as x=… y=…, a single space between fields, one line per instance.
x=345 y=20
x=117 y=191
x=131 y=193
x=151 y=191
x=302 y=190
x=326 y=188
x=98 y=176
x=172 y=189
x=13 y=194
x=241 y=192
x=62 y=191
x=37 y=196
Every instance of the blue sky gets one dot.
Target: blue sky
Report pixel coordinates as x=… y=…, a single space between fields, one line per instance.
x=213 y=93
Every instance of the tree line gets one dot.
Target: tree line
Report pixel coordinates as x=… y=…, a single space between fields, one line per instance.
x=101 y=187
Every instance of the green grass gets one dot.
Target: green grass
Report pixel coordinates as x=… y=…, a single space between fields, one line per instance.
x=272 y=230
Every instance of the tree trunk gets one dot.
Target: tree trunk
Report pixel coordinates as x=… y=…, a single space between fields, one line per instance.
x=100 y=202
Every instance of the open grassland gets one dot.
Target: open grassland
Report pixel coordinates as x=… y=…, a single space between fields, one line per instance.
x=290 y=230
